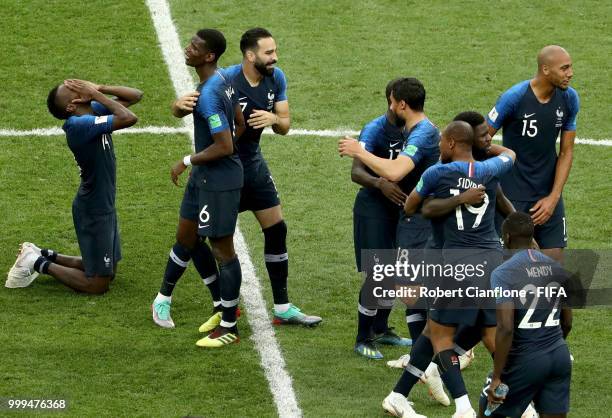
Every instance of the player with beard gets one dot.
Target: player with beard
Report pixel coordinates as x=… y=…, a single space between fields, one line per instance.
x=261 y=89
x=407 y=101
x=532 y=114
x=375 y=219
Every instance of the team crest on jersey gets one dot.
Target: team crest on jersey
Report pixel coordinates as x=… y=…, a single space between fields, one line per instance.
x=229 y=92
x=559 y=122
x=270 y=100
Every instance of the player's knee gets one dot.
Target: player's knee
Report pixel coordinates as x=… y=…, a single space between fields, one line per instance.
x=98 y=285
x=446 y=359
x=186 y=241
x=223 y=249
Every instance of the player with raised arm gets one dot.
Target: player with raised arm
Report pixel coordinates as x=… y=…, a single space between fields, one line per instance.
x=469 y=227
x=420 y=151
x=531 y=357
x=90 y=118
x=375 y=218
x=532 y=114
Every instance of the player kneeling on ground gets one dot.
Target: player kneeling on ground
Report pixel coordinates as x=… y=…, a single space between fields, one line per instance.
x=90 y=118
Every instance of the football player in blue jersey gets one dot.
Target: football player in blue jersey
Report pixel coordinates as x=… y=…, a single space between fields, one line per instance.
x=90 y=118
x=420 y=151
x=531 y=357
x=532 y=114
x=261 y=90
x=209 y=209
x=375 y=219
x=470 y=226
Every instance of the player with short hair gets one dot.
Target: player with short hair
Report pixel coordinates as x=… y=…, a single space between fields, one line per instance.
x=90 y=118
x=421 y=150
x=531 y=357
x=469 y=227
x=532 y=114
x=375 y=221
x=261 y=90
x=209 y=209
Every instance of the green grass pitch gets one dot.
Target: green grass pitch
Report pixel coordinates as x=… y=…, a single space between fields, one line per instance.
x=103 y=354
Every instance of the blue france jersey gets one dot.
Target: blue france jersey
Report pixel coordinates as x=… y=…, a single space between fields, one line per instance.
x=90 y=140
x=214 y=112
x=385 y=140
x=467 y=226
x=423 y=147
x=270 y=90
x=530 y=129
x=537 y=328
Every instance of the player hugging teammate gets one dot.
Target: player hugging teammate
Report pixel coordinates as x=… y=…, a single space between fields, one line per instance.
x=530 y=354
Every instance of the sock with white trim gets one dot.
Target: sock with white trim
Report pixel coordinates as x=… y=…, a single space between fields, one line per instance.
x=177 y=263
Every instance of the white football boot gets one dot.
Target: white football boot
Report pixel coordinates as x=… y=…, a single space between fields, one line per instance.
x=434 y=382
x=397 y=405
x=22 y=274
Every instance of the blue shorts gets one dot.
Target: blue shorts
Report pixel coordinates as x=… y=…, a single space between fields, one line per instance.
x=544 y=379
x=553 y=234
x=259 y=191
x=99 y=241
x=372 y=234
x=216 y=212
x=466 y=311
x=413 y=231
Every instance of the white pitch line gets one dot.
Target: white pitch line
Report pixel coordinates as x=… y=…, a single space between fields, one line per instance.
x=322 y=133
x=57 y=131
x=263 y=337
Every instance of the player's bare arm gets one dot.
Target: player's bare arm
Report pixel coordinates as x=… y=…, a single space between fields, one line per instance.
x=502 y=203
x=239 y=122
x=122 y=116
x=566 y=321
x=393 y=170
x=544 y=208
x=436 y=207
x=184 y=105
x=413 y=202
x=391 y=190
x=503 y=341
x=497 y=149
x=127 y=96
x=222 y=147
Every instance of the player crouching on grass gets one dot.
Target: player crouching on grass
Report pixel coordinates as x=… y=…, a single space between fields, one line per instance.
x=90 y=118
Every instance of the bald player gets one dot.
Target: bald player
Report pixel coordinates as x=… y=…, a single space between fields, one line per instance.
x=532 y=114
x=468 y=227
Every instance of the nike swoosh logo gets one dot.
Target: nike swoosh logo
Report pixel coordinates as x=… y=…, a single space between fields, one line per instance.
x=394 y=144
x=203 y=226
x=528 y=115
